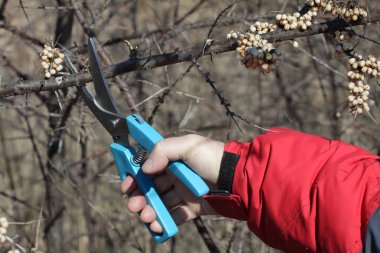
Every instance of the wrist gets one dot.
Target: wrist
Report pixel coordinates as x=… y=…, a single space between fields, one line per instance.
x=227 y=201
x=204 y=156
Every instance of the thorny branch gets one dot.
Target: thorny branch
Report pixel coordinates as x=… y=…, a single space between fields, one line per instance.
x=216 y=92
x=28 y=86
x=161 y=99
x=224 y=102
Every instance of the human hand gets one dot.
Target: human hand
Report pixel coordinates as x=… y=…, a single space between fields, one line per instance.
x=203 y=155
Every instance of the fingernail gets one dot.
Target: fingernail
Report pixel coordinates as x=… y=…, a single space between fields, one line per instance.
x=148 y=166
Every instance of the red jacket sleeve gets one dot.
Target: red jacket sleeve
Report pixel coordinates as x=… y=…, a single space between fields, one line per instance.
x=302 y=193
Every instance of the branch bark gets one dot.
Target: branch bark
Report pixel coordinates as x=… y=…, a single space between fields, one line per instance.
x=28 y=86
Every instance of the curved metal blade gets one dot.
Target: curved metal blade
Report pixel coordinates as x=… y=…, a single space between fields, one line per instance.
x=103 y=105
x=114 y=123
x=103 y=94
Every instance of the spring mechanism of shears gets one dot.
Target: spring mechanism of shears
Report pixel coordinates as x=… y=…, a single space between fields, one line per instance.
x=140 y=155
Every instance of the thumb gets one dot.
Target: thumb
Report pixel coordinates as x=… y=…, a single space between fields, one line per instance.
x=203 y=155
x=169 y=149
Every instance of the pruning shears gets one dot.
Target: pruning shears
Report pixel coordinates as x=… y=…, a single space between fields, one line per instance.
x=127 y=159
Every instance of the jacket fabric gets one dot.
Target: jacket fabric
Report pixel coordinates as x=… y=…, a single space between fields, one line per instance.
x=302 y=193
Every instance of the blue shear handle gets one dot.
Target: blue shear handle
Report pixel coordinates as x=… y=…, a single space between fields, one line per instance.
x=187 y=176
x=146 y=136
x=124 y=162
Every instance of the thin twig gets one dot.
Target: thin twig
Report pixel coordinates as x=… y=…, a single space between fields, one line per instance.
x=321 y=62
x=219 y=16
x=161 y=99
x=24 y=11
x=12 y=29
x=173 y=30
x=38 y=229
x=20 y=201
x=11 y=241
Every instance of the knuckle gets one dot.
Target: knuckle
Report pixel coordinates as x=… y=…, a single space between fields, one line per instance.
x=159 y=147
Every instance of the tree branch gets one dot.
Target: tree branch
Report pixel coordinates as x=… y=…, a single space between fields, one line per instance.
x=28 y=86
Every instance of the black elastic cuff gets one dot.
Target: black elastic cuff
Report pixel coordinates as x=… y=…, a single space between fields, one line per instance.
x=227 y=171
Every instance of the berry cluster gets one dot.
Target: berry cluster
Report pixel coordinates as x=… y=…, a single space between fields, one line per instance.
x=348 y=10
x=249 y=40
x=257 y=58
x=357 y=86
x=358 y=97
x=296 y=20
x=369 y=66
x=262 y=27
x=256 y=53
x=3 y=229
x=52 y=59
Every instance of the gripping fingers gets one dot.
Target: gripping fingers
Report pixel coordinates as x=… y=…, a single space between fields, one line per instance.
x=147 y=215
x=128 y=185
x=156 y=227
x=164 y=182
x=124 y=162
x=171 y=199
x=180 y=215
x=136 y=202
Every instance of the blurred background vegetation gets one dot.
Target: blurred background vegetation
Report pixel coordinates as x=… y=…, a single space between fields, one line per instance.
x=58 y=181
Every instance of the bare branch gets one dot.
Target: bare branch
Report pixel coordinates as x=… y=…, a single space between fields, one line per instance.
x=2 y=8
x=23 y=202
x=28 y=86
x=207 y=238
